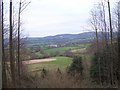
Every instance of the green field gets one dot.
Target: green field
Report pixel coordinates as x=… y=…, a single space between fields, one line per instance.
x=60 y=62
x=58 y=51
x=61 y=49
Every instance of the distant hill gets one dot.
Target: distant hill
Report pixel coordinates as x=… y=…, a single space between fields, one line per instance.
x=62 y=39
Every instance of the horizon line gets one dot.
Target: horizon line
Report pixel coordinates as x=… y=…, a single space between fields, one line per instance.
x=56 y=34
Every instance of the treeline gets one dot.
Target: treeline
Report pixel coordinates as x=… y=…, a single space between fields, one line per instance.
x=13 y=52
x=105 y=68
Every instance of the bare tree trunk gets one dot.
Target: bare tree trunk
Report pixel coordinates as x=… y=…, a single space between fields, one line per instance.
x=118 y=45
x=4 y=80
x=95 y=25
x=19 y=63
x=12 y=65
x=106 y=35
x=1 y=45
x=105 y=25
x=97 y=47
x=111 y=41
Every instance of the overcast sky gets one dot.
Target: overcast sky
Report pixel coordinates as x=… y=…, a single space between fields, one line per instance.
x=51 y=17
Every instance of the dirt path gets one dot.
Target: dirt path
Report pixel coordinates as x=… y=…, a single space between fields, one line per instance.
x=38 y=60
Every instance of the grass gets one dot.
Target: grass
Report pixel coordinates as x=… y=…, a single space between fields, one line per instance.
x=82 y=50
x=54 y=80
x=60 y=62
x=77 y=48
x=84 y=45
x=61 y=49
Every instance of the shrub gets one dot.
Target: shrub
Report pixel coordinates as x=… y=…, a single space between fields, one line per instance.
x=94 y=70
x=43 y=73
x=76 y=66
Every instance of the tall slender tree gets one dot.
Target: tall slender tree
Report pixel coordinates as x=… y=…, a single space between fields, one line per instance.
x=118 y=66
x=95 y=25
x=0 y=44
x=19 y=63
x=111 y=42
x=4 y=84
x=12 y=63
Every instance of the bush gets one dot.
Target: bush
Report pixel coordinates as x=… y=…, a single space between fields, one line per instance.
x=76 y=67
x=94 y=70
x=43 y=73
x=100 y=68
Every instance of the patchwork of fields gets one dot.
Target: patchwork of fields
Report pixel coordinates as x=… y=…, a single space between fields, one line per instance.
x=61 y=62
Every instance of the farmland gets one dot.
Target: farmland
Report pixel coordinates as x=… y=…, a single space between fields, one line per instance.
x=60 y=62
x=47 y=52
x=60 y=57
x=61 y=49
